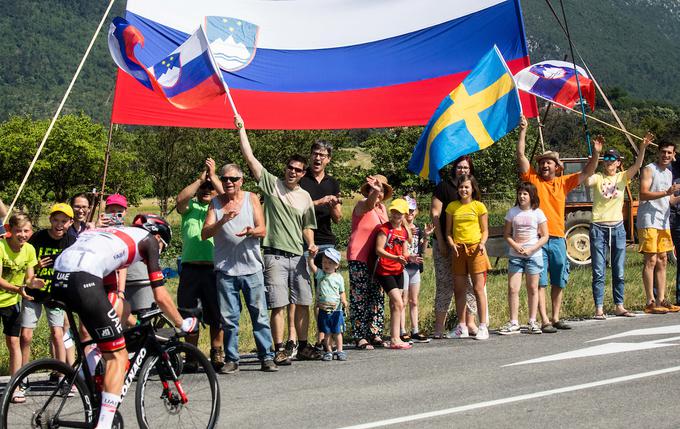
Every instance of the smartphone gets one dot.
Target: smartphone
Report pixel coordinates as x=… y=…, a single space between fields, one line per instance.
x=114 y=218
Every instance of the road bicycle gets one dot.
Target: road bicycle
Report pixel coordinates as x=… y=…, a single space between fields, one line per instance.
x=176 y=384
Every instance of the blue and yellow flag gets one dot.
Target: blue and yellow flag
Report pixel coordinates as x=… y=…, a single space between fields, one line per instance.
x=475 y=115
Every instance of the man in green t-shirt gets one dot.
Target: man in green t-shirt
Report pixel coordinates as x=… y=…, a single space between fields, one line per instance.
x=17 y=259
x=197 y=280
x=290 y=220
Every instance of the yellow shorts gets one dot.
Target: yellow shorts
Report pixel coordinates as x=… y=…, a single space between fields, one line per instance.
x=654 y=240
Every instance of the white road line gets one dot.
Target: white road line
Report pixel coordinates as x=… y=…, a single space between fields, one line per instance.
x=599 y=350
x=660 y=330
x=512 y=399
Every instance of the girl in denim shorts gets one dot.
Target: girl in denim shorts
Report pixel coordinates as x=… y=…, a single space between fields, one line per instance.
x=526 y=231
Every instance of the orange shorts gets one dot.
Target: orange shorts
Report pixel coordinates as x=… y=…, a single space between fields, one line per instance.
x=654 y=240
x=469 y=260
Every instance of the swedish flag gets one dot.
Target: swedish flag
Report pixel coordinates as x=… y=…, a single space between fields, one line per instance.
x=479 y=112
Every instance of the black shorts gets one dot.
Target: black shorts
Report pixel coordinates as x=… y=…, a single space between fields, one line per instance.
x=85 y=295
x=390 y=282
x=11 y=322
x=198 y=283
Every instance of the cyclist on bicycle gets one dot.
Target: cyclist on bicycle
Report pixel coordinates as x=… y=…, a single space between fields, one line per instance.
x=86 y=272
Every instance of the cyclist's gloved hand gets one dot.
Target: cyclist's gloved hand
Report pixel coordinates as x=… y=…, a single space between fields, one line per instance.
x=189 y=325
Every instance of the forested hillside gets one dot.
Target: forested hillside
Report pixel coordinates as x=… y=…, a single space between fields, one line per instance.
x=631 y=44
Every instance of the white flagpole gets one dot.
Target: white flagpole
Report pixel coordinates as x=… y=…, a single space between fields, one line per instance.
x=219 y=73
x=56 y=114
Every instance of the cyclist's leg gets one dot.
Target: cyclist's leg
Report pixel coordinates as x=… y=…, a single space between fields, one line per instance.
x=84 y=294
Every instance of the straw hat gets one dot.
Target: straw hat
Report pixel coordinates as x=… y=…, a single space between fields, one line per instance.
x=550 y=154
x=387 y=189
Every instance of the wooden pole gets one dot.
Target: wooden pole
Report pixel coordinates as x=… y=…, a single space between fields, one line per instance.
x=540 y=132
x=106 y=169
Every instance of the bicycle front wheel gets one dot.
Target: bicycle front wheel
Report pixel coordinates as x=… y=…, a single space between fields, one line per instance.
x=46 y=393
x=178 y=389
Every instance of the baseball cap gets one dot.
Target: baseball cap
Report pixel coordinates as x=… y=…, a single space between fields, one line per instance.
x=62 y=208
x=332 y=254
x=399 y=205
x=612 y=155
x=207 y=185
x=116 y=199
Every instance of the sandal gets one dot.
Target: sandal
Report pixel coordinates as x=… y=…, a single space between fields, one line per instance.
x=363 y=344
x=377 y=341
x=626 y=314
x=600 y=317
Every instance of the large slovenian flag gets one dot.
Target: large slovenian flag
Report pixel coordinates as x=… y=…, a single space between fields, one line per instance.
x=326 y=64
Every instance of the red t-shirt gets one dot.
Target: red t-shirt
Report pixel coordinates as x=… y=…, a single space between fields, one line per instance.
x=394 y=245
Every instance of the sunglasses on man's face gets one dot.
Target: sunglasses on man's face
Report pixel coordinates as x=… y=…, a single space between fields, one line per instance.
x=295 y=169
x=230 y=179
x=609 y=158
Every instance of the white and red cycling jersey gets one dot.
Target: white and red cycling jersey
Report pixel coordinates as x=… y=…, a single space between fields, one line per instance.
x=102 y=251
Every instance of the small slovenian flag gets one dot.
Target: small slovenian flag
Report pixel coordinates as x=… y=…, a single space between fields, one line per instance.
x=556 y=81
x=186 y=78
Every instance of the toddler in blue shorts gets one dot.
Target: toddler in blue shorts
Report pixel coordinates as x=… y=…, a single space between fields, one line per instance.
x=330 y=301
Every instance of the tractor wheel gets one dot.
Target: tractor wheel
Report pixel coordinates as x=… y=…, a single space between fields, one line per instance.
x=577 y=236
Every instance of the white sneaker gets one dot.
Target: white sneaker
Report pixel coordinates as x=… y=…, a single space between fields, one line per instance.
x=482 y=333
x=509 y=329
x=534 y=327
x=460 y=332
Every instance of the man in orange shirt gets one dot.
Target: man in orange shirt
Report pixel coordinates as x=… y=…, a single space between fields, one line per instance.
x=552 y=191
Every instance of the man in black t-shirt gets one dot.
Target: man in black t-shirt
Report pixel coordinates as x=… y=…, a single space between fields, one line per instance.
x=325 y=192
x=48 y=243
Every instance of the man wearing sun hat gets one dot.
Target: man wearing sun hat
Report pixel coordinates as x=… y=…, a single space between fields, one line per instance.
x=552 y=192
x=48 y=244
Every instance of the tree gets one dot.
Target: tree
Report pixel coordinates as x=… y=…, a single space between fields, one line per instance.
x=72 y=160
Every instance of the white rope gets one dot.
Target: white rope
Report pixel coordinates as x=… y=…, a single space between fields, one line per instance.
x=56 y=114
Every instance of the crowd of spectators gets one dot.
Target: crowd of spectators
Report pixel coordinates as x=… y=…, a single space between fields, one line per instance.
x=276 y=251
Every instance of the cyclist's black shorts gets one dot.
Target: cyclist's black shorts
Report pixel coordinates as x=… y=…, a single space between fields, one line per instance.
x=84 y=294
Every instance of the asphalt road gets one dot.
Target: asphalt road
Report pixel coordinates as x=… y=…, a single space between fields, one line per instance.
x=572 y=379
x=457 y=380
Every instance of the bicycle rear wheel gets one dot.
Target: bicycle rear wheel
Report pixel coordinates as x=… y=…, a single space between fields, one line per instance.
x=162 y=383
x=53 y=397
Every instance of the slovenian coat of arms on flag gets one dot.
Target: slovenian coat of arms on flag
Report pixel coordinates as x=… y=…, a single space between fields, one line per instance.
x=233 y=42
x=476 y=114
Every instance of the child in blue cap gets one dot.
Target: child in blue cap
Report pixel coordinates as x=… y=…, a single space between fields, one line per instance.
x=330 y=295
